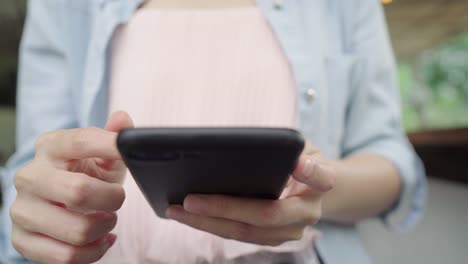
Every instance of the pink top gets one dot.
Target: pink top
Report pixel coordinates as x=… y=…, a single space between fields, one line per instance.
x=196 y=67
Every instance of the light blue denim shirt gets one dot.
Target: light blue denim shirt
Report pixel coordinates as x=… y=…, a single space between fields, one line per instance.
x=342 y=61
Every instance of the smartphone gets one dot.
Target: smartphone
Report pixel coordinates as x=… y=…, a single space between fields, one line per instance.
x=170 y=163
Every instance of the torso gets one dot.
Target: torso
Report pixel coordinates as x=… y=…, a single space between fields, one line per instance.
x=317 y=36
x=196 y=67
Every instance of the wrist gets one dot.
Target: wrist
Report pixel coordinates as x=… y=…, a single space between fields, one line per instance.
x=366 y=185
x=331 y=201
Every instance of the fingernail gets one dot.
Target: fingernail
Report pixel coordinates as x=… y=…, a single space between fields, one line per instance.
x=175 y=212
x=308 y=169
x=109 y=241
x=195 y=204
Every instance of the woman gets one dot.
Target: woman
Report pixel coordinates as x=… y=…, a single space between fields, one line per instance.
x=325 y=67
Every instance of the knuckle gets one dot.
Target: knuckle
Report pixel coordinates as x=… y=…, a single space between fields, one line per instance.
x=22 y=179
x=18 y=215
x=44 y=140
x=81 y=234
x=68 y=255
x=80 y=191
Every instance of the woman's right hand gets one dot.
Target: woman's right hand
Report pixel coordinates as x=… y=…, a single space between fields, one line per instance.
x=68 y=195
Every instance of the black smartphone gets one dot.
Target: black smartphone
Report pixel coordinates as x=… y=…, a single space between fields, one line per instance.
x=169 y=163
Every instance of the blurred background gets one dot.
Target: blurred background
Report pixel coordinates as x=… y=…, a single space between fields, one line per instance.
x=431 y=43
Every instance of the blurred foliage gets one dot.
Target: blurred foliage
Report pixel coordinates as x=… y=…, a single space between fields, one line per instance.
x=7 y=133
x=12 y=14
x=434 y=87
x=448 y=70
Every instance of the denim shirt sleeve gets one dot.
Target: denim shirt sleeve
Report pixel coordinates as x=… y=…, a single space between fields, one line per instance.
x=373 y=118
x=44 y=100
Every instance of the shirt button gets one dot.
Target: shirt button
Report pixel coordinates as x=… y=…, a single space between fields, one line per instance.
x=278 y=4
x=311 y=94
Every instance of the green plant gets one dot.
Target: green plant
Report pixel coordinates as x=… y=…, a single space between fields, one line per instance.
x=434 y=87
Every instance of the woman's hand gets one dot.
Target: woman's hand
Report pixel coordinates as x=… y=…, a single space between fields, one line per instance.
x=67 y=196
x=264 y=222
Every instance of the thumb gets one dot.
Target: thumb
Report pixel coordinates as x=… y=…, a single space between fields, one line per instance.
x=119 y=120
x=315 y=173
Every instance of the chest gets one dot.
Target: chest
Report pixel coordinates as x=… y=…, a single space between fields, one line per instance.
x=203 y=67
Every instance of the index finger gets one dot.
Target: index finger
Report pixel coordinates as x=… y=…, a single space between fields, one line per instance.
x=257 y=212
x=80 y=143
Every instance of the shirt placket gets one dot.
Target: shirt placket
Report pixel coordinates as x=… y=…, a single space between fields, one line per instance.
x=304 y=52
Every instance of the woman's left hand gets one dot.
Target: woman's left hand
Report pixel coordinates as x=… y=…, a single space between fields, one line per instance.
x=264 y=222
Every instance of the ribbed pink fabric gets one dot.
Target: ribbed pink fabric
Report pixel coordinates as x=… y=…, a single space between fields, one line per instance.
x=214 y=67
